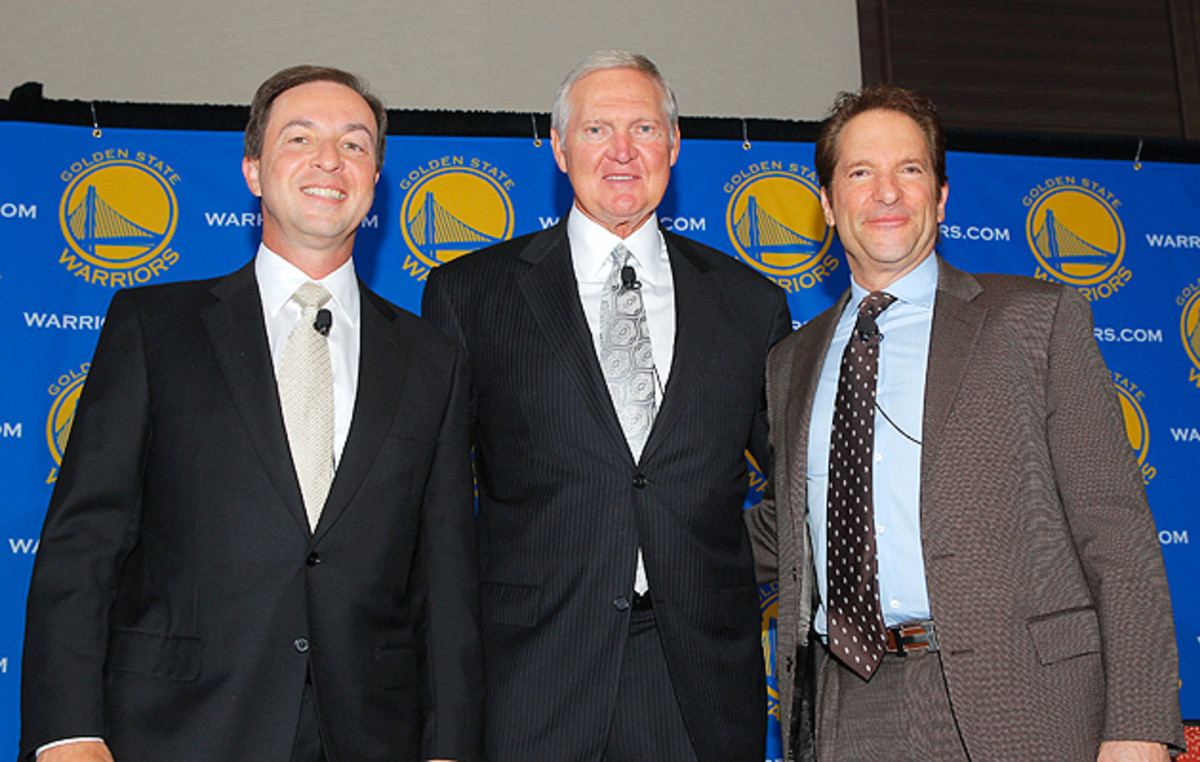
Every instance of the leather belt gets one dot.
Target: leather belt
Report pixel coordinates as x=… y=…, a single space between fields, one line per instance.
x=918 y=635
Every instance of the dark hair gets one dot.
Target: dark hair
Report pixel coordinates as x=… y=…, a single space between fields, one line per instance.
x=282 y=81
x=880 y=98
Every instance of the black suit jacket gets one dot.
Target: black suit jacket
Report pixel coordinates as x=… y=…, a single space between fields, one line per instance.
x=564 y=507
x=179 y=599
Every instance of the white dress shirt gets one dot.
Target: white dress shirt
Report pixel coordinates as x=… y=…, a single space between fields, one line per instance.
x=278 y=279
x=591 y=246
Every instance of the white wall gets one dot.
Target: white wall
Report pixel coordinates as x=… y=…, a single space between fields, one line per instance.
x=755 y=58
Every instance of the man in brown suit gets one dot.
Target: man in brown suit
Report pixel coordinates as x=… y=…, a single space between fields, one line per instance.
x=1011 y=601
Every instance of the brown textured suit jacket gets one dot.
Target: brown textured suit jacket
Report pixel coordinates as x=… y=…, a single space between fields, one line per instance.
x=1042 y=562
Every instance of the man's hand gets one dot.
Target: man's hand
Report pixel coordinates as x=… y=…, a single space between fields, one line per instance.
x=1133 y=751
x=77 y=751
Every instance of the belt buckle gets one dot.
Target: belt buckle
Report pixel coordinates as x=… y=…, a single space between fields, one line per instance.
x=914 y=636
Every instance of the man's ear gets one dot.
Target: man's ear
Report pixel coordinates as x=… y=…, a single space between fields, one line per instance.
x=560 y=156
x=827 y=208
x=250 y=172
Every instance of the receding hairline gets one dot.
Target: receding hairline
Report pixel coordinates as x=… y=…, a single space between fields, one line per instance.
x=612 y=60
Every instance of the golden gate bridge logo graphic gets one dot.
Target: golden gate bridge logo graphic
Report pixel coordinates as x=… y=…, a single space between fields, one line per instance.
x=1076 y=235
x=774 y=220
x=118 y=214
x=1137 y=428
x=453 y=211
x=1189 y=329
x=768 y=598
x=66 y=391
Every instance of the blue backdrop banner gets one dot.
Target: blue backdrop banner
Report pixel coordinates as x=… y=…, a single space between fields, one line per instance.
x=81 y=216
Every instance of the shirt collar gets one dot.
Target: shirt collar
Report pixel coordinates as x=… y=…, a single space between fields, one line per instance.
x=917 y=287
x=591 y=244
x=278 y=279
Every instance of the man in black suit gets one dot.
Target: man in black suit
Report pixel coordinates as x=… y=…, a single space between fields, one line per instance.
x=617 y=384
x=221 y=577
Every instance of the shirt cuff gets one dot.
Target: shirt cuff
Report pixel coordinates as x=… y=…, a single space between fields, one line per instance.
x=66 y=741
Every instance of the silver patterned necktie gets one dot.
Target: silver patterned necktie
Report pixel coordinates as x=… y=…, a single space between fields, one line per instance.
x=306 y=397
x=625 y=354
x=856 y=631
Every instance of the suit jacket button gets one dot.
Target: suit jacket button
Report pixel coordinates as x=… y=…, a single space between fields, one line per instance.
x=313 y=559
x=621 y=604
x=640 y=481
x=301 y=644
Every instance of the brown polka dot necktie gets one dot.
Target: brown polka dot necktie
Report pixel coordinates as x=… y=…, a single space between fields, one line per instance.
x=856 y=631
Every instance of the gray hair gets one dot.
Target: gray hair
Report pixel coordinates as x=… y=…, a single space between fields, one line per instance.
x=603 y=60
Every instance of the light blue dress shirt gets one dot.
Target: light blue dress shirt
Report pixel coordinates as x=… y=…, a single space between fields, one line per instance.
x=896 y=467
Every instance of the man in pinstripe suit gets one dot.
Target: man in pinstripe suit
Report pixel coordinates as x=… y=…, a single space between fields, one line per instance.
x=620 y=610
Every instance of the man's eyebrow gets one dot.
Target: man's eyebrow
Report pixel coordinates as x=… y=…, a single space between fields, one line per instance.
x=297 y=123
x=355 y=126
x=350 y=127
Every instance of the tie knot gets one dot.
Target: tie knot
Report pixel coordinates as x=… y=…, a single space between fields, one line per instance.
x=620 y=255
x=311 y=296
x=875 y=303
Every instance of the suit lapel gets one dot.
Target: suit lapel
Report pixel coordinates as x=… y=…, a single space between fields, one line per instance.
x=808 y=363
x=695 y=293
x=239 y=340
x=382 y=365
x=552 y=294
x=957 y=320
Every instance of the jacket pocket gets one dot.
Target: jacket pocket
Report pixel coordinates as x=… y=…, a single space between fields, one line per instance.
x=515 y=605
x=144 y=653
x=397 y=667
x=1065 y=634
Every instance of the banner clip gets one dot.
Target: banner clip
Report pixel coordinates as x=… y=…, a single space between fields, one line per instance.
x=537 y=142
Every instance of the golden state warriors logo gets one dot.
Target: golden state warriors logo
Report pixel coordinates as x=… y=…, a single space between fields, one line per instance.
x=1137 y=428
x=775 y=223
x=768 y=596
x=453 y=206
x=1076 y=234
x=118 y=214
x=1189 y=328
x=65 y=390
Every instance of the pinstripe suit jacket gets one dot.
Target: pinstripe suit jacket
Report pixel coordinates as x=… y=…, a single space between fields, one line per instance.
x=1042 y=562
x=563 y=506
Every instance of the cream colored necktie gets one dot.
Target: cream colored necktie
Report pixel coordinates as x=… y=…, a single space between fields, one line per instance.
x=306 y=396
